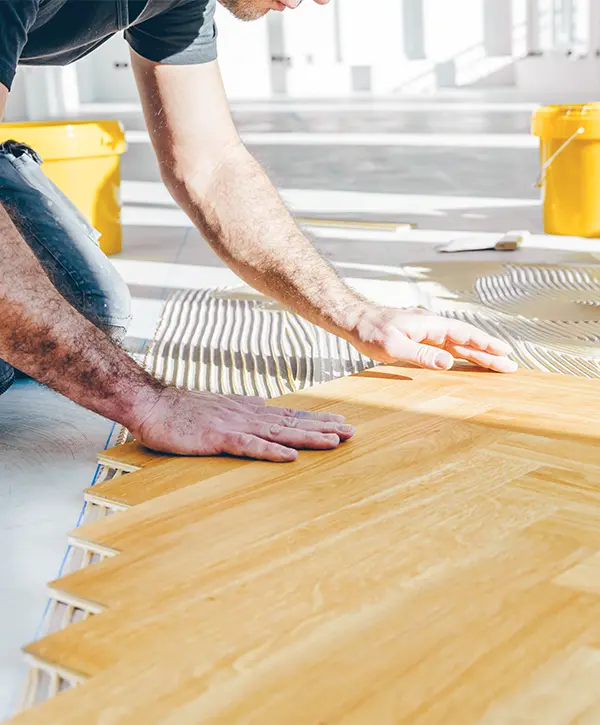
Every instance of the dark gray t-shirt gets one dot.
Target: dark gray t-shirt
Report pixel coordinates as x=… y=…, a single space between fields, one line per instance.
x=58 y=32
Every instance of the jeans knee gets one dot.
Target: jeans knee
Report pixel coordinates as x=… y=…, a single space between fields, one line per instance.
x=110 y=307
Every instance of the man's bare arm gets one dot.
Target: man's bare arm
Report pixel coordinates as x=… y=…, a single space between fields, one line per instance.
x=45 y=337
x=228 y=196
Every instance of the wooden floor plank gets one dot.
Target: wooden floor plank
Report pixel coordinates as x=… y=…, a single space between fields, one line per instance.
x=441 y=567
x=128 y=457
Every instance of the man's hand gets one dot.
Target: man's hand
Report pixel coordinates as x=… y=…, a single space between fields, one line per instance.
x=427 y=340
x=204 y=424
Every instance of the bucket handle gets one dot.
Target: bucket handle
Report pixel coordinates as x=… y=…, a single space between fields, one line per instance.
x=541 y=179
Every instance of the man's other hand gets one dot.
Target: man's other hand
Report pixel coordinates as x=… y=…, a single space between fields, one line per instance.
x=425 y=339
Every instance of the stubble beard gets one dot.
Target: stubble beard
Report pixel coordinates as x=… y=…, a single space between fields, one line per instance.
x=244 y=9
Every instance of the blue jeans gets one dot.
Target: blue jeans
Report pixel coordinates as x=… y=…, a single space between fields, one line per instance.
x=64 y=243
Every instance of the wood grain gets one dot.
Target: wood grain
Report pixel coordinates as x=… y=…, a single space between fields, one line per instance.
x=441 y=567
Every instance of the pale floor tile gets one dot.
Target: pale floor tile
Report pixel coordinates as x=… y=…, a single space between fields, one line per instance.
x=197 y=251
x=146 y=313
x=154 y=243
x=356 y=257
x=47 y=457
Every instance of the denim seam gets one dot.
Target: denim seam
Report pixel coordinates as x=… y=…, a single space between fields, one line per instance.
x=112 y=320
x=123 y=13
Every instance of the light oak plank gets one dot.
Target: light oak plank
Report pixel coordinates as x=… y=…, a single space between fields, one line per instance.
x=128 y=457
x=441 y=567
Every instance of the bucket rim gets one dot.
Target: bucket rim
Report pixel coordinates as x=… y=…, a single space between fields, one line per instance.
x=580 y=110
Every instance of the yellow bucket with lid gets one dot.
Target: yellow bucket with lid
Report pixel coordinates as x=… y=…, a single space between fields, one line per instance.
x=570 y=168
x=83 y=159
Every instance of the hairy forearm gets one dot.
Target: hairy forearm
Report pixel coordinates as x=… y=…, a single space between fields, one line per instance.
x=45 y=337
x=248 y=225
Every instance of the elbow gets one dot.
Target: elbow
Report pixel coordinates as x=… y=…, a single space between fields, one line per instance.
x=192 y=177
x=176 y=182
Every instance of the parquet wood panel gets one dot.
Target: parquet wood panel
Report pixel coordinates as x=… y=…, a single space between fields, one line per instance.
x=441 y=567
x=129 y=457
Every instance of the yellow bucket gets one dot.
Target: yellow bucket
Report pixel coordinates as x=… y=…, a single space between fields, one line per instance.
x=570 y=176
x=83 y=159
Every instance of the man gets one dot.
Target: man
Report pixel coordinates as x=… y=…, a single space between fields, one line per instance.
x=62 y=305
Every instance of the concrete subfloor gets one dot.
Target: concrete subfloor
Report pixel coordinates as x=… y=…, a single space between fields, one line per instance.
x=47 y=444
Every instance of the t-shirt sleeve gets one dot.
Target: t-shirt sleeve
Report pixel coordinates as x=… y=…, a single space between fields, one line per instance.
x=16 y=18
x=183 y=35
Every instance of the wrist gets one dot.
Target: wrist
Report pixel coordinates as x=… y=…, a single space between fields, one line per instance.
x=351 y=316
x=140 y=403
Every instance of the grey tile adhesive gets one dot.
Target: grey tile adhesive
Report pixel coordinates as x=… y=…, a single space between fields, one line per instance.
x=235 y=341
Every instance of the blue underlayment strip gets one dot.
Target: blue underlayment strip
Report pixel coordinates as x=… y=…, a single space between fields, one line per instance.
x=79 y=518
x=12 y=707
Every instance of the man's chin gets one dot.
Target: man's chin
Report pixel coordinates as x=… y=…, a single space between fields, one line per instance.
x=244 y=9
x=248 y=17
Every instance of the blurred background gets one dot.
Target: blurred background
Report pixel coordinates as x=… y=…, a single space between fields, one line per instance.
x=388 y=47
x=373 y=109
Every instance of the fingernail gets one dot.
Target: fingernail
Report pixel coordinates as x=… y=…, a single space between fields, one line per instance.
x=510 y=366
x=442 y=361
x=333 y=439
x=347 y=428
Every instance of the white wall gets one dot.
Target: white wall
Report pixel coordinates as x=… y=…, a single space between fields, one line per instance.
x=452 y=27
x=106 y=76
x=374 y=40
x=16 y=109
x=43 y=93
x=412 y=45
x=310 y=42
x=555 y=27
x=244 y=56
